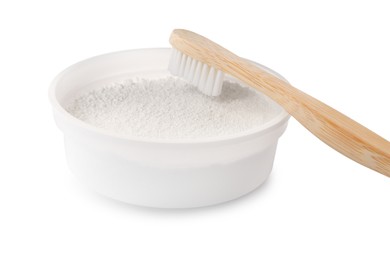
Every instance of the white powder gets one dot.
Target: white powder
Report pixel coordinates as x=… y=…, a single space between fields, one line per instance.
x=169 y=108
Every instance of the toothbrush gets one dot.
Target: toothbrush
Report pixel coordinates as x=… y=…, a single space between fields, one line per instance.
x=203 y=63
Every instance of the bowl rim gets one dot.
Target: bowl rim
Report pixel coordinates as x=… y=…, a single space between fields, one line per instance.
x=278 y=120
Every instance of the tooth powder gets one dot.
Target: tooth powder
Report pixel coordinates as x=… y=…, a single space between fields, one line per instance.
x=170 y=109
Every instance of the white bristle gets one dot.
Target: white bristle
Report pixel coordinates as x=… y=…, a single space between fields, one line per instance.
x=198 y=70
x=209 y=80
x=187 y=68
x=203 y=77
x=191 y=72
x=218 y=83
x=208 y=89
x=182 y=65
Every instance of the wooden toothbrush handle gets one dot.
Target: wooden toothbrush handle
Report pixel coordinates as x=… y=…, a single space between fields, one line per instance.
x=334 y=128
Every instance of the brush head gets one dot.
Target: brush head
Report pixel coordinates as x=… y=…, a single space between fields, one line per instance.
x=200 y=61
x=207 y=79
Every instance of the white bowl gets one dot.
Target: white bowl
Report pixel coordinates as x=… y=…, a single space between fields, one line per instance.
x=155 y=173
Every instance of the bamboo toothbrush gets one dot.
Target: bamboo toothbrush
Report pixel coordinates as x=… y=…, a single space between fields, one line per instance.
x=203 y=63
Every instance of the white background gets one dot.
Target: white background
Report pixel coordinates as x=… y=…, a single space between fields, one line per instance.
x=316 y=205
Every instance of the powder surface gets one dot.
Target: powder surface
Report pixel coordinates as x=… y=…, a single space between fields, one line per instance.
x=169 y=108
